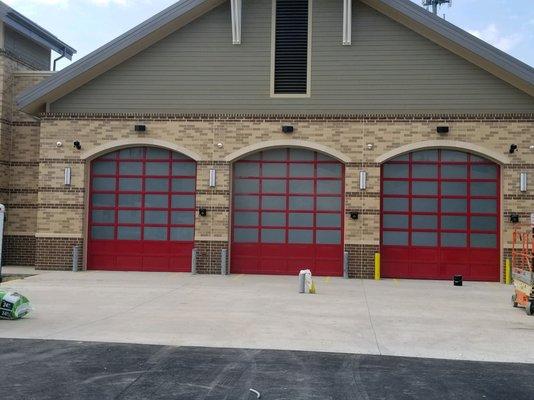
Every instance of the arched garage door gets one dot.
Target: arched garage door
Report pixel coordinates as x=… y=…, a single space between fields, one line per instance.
x=287 y=213
x=440 y=216
x=142 y=211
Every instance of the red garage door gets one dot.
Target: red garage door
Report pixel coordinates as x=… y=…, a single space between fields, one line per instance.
x=440 y=216
x=142 y=211
x=287 y=213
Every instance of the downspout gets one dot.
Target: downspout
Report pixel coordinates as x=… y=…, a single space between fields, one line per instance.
x=63 y=54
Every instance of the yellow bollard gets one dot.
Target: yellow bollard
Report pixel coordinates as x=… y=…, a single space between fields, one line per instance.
x=377 y=266
x=508 y=272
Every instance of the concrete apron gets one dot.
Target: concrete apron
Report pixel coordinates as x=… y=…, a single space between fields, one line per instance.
x=429 y=319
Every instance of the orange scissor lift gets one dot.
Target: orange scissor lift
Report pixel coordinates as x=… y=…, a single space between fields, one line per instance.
x=522 y=267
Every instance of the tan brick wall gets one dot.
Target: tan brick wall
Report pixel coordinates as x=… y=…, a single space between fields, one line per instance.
x=62 y=211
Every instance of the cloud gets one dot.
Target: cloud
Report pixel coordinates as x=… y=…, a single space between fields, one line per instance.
x=494 y=36
x=65 y=3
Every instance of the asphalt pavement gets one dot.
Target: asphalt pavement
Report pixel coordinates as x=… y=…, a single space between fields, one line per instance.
x=48 y=369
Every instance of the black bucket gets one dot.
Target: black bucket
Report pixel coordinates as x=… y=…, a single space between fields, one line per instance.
x=458 y=280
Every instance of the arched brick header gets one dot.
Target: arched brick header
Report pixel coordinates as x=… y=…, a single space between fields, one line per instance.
x=124 y=143
x=272 y=144
x=445 y=144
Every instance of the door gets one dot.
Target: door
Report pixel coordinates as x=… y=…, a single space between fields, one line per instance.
x=287 y=213
x=142 y=211
x=440 y=216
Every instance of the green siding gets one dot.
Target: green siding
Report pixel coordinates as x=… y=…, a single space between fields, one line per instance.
x=388 y=69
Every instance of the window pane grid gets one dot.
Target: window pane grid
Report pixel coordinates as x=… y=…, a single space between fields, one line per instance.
x=163 y=170
x=299 y=197
x=480 y=194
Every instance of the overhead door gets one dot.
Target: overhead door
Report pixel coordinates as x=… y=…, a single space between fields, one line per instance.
x=287 y=213
x=142 y=211
x=440 y=216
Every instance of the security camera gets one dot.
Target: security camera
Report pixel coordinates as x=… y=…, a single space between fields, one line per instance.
x=59 y=144
x=513 y=148
x=77 y=145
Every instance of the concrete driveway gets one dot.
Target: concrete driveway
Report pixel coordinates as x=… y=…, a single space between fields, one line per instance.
x=391 y=317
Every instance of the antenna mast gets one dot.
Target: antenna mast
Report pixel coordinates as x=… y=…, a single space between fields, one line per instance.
x=435 y=4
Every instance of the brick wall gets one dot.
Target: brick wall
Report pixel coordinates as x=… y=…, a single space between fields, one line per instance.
x=60 y=211
x=56 y=253
x=19 y=250
x=209 y=256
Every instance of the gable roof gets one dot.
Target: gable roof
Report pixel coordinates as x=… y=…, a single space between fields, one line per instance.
x=32 y=31
x=176 y=16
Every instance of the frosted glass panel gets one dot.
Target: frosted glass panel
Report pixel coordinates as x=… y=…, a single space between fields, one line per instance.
x=129 y=233
x=183 y=201
x=247 y=186
x=274 y=170
x=424 y=221
x=301 y=170
x=154 y=153
x=273 y=219
x=453 y=239
x=182 y=234
x=395 y=238
x=454 y=171
x=155 y=233
x=156 y=217
x=453 y=222
x=247 y=169
x=247 y=202
x=483 y=188
x=158 y=168
x=246 y=218
x=395 y=221
x=329 y=170
x=328 y=220
x=424 y=239
x=329 y=187
x=273 y=236
x=103 y=200
x=274 y=186
x=273 y=202
x=301 y=186
x=396 y=187
x=102 y=232
x=104 y=168
x=129 y=217
x=300 y=236
x=301 y=203
x=157 y=201
x=182 y=218
x=425 y=171
x=131 y=168
x=329 y=203
x=482 y=240
x=454 y=188
x=328 y=237
x=245 y=235
x=130 y=184
x=395 y=204
x=424 y=205
x=184 y=169
x=301 y=220
x=396 y=170
x=104 y=184
x=103 y=216
x=157 y=185
x=183 y=185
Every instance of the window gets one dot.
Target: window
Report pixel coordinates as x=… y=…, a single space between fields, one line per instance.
x=291 y=48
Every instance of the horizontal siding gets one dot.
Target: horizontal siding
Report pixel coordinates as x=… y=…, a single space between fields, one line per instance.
x=388 y=69
x=27 y=50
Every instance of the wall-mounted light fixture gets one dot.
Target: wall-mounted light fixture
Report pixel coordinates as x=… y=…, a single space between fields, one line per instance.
x=354 y=215
x=363 y=180
x=220 y=145
x=523 y=182
x=442 y=130
x=202 y=212
x=140 y=128
x=370 y=146
x=288 y=129
x=514 y=218
x=68 y=176
x=77 y=145
x=213 y=178
x=513 y=148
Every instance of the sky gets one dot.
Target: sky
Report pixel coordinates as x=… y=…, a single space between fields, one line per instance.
x=88 y=24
